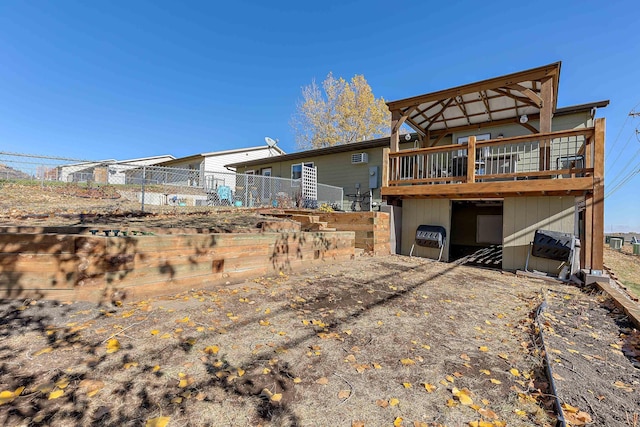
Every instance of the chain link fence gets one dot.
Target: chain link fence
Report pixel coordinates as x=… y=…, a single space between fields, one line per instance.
x=156 y=186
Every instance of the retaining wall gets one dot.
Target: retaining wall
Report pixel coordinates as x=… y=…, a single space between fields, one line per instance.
x=101 y=268
x=371 y=229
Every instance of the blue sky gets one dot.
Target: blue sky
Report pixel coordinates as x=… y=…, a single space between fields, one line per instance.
x=125 y=79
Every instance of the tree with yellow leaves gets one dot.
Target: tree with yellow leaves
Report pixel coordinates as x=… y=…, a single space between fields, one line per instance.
x=341 y=112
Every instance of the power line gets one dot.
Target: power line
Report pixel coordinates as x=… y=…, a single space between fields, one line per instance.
x=632 y=113
x=623 y=170
x=622 y=183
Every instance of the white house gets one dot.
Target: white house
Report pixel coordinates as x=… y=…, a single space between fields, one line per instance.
x=210 y=167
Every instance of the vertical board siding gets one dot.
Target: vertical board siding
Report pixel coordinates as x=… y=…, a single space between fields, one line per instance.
x=425 y=211
x=522 y=217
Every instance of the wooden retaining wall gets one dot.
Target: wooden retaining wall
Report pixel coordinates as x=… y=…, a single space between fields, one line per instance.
x=371 y=228
x=100 y=268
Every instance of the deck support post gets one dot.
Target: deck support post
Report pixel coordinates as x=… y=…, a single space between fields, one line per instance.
x=471 y=159
x=546 y=115
x=598 y=197
x=394 y=143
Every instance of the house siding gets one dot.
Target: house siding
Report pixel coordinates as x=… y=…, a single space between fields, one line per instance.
x=522 y=216
x=416 y=212
x=217 y=163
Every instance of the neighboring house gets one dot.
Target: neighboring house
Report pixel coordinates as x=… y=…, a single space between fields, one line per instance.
x=211 y=167
x=104 y=171
x=498 y=162
x=350 y=166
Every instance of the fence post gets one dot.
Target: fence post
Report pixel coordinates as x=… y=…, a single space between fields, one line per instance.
x=144 y=178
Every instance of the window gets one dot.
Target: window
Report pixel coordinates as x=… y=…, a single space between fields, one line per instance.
x=296 y=170
x=465 y=139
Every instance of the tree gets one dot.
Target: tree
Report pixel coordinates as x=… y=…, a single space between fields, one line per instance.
x=346 y=112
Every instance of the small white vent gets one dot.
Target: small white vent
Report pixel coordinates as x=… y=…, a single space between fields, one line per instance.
x=359 y=158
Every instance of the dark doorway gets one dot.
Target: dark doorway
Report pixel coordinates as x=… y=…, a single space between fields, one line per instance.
x=476 y=232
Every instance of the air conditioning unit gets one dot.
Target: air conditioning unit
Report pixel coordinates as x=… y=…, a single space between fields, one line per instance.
x=359 y=158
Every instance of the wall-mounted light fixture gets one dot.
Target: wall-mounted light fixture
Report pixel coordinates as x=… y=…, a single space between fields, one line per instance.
x=524 y=119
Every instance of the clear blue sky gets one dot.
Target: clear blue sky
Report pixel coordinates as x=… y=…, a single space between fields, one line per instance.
x=125 y=79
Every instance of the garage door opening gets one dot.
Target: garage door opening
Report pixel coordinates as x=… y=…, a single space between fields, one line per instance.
x=476 y=232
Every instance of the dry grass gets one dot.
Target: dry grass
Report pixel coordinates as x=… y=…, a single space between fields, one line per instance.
x=626 y=267
x=338 y=343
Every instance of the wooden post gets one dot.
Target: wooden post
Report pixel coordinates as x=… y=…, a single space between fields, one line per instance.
x=598 y=197
x=385 y=167
x=471 y=159
x=546 y=114
x=588 y=232
x=394 y=143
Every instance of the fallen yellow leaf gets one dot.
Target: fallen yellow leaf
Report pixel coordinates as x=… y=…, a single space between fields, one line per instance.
x=429 y=387
x=43 y=351
x=113 y=345
x=212 y=349
x=407 y=361
x=397 y=422
x=483 y=348
x=485 y=371
x=8 y=396
x=56 y=394
x=462 y=396
x=406 y=385
x=393 y=401
x=514 y=372
x=495 y=381
x=276 y=397
x=158 y=422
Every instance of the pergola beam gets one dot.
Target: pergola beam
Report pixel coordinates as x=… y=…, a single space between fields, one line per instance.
x=551 y=70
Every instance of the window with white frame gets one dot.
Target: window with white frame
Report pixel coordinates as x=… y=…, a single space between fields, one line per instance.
x=296 y=170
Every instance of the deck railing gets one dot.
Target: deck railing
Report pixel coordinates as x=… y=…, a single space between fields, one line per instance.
x=564 y=154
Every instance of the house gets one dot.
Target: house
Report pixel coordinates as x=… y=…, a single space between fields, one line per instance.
x=109 y=171
x=535 y=166
x=496 y=162
x=210 y=169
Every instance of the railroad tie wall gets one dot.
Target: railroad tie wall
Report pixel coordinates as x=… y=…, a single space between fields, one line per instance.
x=100 y=268
x=371 y=228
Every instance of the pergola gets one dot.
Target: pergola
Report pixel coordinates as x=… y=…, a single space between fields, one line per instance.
x=513 y=98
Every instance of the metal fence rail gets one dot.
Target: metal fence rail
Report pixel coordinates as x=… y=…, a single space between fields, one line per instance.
x=166 y=186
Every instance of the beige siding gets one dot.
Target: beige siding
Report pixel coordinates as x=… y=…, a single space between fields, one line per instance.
x=424 y=211
x=522 y=216
x=333 y=169
x=565 y=122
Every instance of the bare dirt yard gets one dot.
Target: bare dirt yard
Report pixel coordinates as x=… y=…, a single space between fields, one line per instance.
x=376 y=341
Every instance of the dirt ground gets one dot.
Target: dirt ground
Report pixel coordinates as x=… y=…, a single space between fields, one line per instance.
x=371 y=340
x=72 y=205
x=377 y=341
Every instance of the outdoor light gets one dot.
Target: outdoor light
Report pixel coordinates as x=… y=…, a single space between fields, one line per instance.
x=524 y=118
